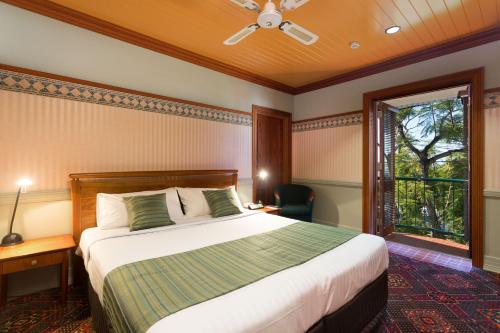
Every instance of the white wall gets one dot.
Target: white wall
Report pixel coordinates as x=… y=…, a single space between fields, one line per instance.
x=348 y=96
x=33 y=41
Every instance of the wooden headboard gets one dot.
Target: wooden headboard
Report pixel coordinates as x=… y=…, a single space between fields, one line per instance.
x=85 y=186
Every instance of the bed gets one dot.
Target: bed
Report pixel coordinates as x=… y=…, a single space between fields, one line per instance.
x=340 y=290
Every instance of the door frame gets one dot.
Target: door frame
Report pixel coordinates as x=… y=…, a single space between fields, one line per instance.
x=474 y=78
x=286 y=117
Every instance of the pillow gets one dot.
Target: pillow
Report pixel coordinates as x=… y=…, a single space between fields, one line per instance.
x=147 y=211
x=111 y=211
x=222 y=202
x=195 y=203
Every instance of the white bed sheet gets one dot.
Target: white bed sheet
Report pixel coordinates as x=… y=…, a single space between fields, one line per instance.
x=288 y=301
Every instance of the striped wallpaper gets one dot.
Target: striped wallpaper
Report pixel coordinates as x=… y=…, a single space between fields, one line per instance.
x=492 y=148
x=47 y=138
x=331 y=148
x=328 y=154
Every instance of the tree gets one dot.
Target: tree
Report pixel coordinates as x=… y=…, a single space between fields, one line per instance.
x=441 y=121
x=430 y=144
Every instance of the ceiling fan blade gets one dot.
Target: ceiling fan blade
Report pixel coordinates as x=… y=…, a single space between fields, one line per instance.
x=240 y=35
x=297 y=32
x=292 y=4
x=248 y=4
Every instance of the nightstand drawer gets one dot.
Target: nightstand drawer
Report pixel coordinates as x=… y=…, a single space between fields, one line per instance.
x=22 y=264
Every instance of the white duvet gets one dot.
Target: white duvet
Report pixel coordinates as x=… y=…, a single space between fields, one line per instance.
x=288 y=301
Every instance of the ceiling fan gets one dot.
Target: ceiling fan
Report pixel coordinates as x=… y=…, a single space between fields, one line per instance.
x=270 y=17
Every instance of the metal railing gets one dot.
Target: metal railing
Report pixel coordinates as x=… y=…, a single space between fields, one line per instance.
x=434 y=207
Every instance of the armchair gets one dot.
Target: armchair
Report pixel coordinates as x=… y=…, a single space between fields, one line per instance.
x=295 y=201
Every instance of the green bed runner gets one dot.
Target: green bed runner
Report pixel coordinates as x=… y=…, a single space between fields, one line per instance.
x=138 y=294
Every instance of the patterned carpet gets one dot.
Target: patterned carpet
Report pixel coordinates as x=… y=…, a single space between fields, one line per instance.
x=422 y=298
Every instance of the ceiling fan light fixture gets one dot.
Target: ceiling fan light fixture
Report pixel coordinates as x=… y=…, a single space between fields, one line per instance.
x=270 y=17
x=392 y=30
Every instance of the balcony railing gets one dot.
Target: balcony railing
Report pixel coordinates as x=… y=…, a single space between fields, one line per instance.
x=434 y=207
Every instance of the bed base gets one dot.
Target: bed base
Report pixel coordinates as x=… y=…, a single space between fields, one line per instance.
x=361 y=314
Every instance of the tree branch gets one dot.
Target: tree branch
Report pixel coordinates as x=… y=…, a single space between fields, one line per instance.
x=407 y=141
x=432 y=143
x=445 y=154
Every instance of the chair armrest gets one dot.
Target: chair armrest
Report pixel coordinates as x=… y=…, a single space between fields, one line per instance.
x=277 y=199
x=311 y=198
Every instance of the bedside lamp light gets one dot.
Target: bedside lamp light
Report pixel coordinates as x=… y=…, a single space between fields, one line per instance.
x=14 y=238
x=263 y=174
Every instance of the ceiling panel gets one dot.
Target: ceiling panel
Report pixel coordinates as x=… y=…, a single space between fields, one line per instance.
x=201 y=26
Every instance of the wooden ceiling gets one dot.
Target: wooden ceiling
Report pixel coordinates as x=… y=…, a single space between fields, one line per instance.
x=200 y=26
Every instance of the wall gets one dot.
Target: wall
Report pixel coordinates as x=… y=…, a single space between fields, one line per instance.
x=46 y=136
x=348 y=97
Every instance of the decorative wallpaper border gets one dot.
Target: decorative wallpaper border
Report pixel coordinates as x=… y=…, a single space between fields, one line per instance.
x=492 y=99
x=37 y=85
x=328 y=122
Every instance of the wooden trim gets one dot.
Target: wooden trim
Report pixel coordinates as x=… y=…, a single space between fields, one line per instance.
x=492 y=90
x=475 y=78
x=287 y=142
x=68 y=15
x=85 y=186
x=110 y=87
x=456 y=45
x=329 y=116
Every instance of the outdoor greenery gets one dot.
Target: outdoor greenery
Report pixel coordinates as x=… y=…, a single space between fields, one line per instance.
x=431 y=168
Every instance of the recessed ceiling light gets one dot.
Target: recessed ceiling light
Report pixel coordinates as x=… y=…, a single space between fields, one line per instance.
x=354 y=44
x=392 y=30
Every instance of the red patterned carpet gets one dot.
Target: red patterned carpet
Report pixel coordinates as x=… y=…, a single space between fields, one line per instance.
x=423 y=297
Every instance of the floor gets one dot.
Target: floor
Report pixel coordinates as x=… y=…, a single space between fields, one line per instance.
x=429 y=256
x=429 y=243
x=424 y=296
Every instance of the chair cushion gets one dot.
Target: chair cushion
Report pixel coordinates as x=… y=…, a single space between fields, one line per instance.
x=294 y=210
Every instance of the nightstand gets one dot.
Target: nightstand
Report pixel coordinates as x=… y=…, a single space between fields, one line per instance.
x=274 y=210
x=36 y=253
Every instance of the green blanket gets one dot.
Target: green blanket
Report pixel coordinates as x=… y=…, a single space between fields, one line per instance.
x=138 y=294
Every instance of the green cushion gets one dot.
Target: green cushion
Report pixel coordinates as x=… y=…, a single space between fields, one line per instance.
x=221 y=202
x=292 y=210
x=148 y=211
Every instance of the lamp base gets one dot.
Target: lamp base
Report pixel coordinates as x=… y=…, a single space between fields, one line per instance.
x=12 y=239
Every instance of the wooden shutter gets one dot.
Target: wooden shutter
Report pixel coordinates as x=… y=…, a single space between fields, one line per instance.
x=386 y=168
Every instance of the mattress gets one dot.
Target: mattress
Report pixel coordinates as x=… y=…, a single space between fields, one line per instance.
x=288 y=301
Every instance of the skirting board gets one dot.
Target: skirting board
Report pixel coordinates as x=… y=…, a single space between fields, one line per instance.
x=491 y=264
x=321 y=221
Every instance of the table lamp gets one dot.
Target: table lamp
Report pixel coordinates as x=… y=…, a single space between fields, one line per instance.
x=263 y=174
x=14 y=238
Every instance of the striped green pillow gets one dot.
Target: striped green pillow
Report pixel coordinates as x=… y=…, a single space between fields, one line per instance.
x=221 y=202
x=147 y=211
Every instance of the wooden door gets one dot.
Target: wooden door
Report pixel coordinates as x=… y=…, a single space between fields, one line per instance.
x=386 y=166
x=271 y=147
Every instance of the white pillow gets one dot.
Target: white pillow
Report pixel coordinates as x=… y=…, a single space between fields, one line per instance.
x=194 y=201
x=111 y=211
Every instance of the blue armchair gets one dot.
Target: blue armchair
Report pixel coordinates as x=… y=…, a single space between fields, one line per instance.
x=295 y=201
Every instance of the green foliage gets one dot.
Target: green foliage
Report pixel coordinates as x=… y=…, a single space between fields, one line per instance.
x=429 y=145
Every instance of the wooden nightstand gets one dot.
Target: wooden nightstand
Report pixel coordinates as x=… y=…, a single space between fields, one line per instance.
x=35 y=253
x=274 y=210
